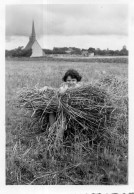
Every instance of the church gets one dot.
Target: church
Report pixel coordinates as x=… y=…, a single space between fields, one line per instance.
x=33 y=44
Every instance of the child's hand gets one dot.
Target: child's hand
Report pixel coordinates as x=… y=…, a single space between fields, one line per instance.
x=43 y=89
x=62 y=89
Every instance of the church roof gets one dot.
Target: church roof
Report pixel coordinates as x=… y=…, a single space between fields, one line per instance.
x=32 y=41
x=29 y=44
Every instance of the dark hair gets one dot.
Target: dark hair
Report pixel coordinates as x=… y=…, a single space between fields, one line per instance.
x=73 y=74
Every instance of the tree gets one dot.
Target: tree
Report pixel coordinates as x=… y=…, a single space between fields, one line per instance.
x=18 y=52
x=57 y=50
x=124 y=51
x=48 y=51
x=91 y=50
x=76 y=51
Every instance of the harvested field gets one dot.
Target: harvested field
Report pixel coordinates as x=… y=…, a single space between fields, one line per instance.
x=63 y=58
x=84 y=161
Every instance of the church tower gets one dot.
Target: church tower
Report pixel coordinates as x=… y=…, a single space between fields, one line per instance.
x=34 y=45
x=33 y=36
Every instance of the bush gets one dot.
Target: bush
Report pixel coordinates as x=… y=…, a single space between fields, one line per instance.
x=19 y=52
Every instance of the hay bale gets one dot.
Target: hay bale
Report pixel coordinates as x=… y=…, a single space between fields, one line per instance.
x=86 y=109
x=94 y=136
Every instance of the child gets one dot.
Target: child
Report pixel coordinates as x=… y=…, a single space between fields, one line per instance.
x=71 y=80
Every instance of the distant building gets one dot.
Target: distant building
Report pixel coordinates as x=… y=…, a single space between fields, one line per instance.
x=91 y=54
x=69 y=51
x=85 y=53
x=33 y=44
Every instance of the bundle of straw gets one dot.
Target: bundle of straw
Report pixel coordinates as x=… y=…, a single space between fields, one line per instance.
x=97 y=142
x=34 y=99
x=85 y=108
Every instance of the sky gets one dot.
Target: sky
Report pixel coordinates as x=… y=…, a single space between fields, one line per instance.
x=68 y=25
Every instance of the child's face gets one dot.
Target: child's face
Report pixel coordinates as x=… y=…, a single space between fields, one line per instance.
x=71 y=82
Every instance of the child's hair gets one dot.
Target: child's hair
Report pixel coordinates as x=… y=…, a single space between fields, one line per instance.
x=73 y=74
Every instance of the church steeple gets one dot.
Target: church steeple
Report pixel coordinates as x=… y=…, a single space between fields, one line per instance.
x=33 y=44
x=33 y=35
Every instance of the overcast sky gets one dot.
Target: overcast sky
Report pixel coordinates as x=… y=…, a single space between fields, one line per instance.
x=90 y=25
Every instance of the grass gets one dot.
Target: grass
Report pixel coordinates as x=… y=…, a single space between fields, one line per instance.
x=27 y=162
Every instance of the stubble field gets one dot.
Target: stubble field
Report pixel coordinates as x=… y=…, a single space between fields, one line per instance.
x=21 y=74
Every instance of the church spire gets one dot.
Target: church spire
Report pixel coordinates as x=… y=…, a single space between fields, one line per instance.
x=33 y=35
x=33 y=30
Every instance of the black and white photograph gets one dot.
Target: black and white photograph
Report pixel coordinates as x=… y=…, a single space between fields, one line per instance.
x=66 y=94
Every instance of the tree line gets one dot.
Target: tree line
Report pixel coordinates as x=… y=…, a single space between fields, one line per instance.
x=78 y=51
x=20 y=52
